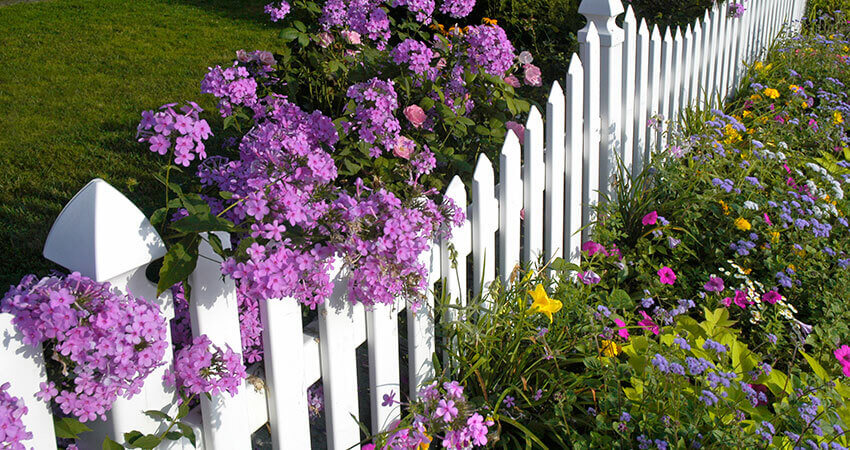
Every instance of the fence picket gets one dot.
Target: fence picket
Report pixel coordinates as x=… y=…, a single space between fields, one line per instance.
x=627 y=129
x=382 y=331
x=688 y=68
x=676 y=72
x=641 y=102
x=712 y=59
x=666 y=87
x=510 y=205
x=533 y=182
x=590 y=166
x=574 y=156
x=337 y=320
x=553 y=241
x=22 y=366
x=653 y=107
x=286 y=389
x=485 y=222
x=420 y=326
x=461 y=242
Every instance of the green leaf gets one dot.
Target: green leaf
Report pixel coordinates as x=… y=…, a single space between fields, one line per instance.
x=183 y=410
x=158 y=415
x=173 y=435
x=426 y=103
x=178 y=263
x=229 y=121
x=202 y=223
x=299 y=25
x=215 y=243
x=620 y=299
x=303 y=40
x=288 y=34
x=816 y=367
x=69 y=427
x=147 y=441
x=109 y=444
x=131 y=436
x=187 y=431
x=225 y=195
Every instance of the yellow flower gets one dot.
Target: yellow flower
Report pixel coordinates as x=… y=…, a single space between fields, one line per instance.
x=610 y=348
x=747 y=271
x=424 y=445
x=747 y=114
x=771 y=93
x=792 y=267
x=542 y=303
x=724 y=206
x=759 y=65
x=793 y=87
x=755 y=97
x=774 y=236
x=489 y=21
x=837 y=118
x=742 y=224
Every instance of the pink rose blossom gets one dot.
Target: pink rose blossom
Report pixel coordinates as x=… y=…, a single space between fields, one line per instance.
x=512 y=81
x=517 y=128
x=416 y=115
x=404 y=147
x=532 y=75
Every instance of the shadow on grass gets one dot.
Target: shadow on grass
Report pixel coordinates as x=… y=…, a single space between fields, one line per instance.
x=251 y=10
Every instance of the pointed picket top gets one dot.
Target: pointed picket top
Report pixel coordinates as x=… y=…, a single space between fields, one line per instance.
x=688 y=30
x=511 y=147
x=457 y=192
x=590 y=33
x=483 y=170
x=678 y=35
x=556 y=94
x=576 y=68
x=102 y=234
x=643 y=29
x=668 y=36
x=697 y=27
x=630 y=16
x=656 y=33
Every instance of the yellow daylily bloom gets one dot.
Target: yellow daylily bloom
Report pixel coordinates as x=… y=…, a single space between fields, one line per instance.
x=724 y=206
x=771 y=93
x=542 y=303
x=610 y=348
x=742 y=224
x=837 y=118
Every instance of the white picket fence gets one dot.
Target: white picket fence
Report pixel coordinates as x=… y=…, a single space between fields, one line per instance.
x=623 y=77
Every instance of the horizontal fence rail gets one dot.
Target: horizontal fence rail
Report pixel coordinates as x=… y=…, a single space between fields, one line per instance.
x=548 y=182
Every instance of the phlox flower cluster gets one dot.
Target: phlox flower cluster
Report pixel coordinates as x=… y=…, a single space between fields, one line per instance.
x=365 y=17
x=203 y=367
x=374 y=114
x=277 y=11
x=489 y=49
x=422 y=8
x=188 y=131
x=441 y=414
x=736 y=10
x=12 y=429
x=387 y=265
x=234 y=86
x=457 y=8
x=106 y=342
x=417 y=56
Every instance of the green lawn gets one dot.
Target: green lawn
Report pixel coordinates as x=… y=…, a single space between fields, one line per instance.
x=76 y=75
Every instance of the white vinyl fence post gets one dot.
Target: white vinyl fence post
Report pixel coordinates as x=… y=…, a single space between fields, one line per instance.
x=102 y=235
x=553 y=241
x=602 y=14
x=630 y=68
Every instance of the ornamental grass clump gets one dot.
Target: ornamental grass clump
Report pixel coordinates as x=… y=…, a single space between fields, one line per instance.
x=99 y=344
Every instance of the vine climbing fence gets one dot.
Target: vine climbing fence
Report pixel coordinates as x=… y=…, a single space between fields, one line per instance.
x=548 y=181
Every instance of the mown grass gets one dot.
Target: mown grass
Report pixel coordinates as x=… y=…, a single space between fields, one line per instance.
x=76 y=75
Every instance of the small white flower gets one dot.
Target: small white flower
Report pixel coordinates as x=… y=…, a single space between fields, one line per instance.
x=751 y=205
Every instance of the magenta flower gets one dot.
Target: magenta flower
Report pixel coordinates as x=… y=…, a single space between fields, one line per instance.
x=771 y=297
x=589 y=277
x=843 y=355
x=741 y=299
x=389 y=399
x=648 y=325
x=767 y=219
x=532 y=75
x=714 y=284
x=446 y=410
x=621 y=330
x=727 y=301
x=517 y=128
x=650 y=219
x=593 y=248
x=666 y=275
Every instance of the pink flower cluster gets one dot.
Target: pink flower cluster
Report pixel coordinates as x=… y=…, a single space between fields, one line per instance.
x=234 y=86
x=843 y=355
x=417 y=56
x=442 y=414
x=204 y=368
x=422 y=8
x=489 y=49
x=365 y=17
x=457 y=8
x=188 y=131
x=12 y=430
x=374 y=114
x=106 y=342
x=277 y=11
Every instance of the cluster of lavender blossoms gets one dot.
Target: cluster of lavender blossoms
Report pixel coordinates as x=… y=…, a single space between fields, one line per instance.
x=203 y=367
x=189 y=132
x=440 y=414
x=106 y=342
x=12 y=430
